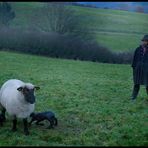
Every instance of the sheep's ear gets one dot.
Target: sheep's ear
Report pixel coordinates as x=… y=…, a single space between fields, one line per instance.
x=37 y=87
x=20 y=88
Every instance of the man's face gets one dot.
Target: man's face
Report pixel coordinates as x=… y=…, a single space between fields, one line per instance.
x=145 y=43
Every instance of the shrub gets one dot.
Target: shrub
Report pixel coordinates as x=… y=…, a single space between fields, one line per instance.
x=60 y=46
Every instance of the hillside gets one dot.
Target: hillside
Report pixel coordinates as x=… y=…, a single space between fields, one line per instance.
x=129 y=6
x=91 y=101
x=118 y=30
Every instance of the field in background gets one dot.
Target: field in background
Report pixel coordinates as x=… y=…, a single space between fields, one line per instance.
x=91 y=101
x=115 y=29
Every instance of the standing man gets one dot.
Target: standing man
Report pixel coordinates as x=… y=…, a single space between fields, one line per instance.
x=140 y=67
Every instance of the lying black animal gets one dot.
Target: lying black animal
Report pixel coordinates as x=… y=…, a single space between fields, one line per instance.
x=2 y=119
x=50 y=116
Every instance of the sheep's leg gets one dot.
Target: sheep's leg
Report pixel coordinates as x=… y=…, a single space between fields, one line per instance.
x=26 y=126
x=55 y=121
x=1 y=123
x=3 y=113
x=14 y=124
x=51 y=121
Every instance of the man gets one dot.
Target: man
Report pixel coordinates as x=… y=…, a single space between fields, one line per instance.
x=140 y=67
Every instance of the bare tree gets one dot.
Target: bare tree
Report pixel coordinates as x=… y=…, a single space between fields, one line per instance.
x=61 y=18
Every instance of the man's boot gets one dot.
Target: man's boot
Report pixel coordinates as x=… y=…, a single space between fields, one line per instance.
x=135 y=91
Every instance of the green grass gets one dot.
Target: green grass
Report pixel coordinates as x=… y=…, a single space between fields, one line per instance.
x=113 y=28
x=123 y=43
x=91 y=101
x=116 y=28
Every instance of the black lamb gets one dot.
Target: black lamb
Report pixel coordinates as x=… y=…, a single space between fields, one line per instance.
x=48 y=115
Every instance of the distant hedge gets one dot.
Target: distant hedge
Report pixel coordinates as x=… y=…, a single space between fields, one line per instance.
x=59 y=46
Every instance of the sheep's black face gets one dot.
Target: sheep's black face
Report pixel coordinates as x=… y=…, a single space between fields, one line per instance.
x=28 y=94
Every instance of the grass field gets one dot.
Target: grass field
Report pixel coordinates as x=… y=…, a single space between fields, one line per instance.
x=91 y=101
x=115 y=29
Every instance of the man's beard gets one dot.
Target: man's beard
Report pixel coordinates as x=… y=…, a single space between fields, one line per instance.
x=146 y=45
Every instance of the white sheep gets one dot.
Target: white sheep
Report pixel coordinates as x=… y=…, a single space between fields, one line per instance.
x=18 y=99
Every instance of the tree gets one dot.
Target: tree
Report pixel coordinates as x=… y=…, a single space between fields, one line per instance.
x=61 y=18
x=6 y=13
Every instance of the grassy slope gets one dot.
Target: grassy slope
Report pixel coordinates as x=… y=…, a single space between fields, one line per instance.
x=118 y=30
x=91 y=102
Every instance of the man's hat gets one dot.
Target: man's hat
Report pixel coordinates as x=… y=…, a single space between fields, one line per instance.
x=145 y=38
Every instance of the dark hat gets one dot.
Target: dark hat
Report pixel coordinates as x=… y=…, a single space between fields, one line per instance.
x=145 y=38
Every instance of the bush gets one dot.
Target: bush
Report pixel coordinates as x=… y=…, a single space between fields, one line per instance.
x=59 y=46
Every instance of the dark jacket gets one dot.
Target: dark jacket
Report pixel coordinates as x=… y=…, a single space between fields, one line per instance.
x=140 y=66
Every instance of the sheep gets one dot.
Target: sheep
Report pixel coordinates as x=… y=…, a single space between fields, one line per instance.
x=18 y=99
x=48 y=115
